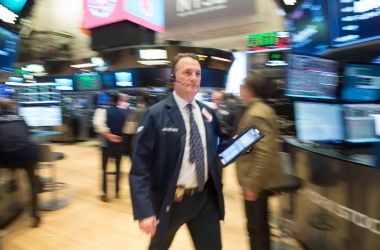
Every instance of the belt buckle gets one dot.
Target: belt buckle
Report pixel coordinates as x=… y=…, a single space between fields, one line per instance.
x=179 y=193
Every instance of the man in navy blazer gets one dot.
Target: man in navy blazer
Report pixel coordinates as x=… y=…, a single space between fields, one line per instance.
x=164 y=188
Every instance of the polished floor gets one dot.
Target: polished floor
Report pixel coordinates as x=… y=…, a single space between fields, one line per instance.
x=88 y=223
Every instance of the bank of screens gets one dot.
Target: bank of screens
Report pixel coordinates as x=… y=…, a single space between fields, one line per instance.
x=88 y=81
x=41 y=116
x=319 y=122
x=361 y=83
x=240 y=145
x=311 y=77
x=362 y=122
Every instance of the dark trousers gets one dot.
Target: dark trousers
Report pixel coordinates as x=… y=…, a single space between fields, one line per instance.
x=200 y=214
x=106 y=154
x=257 y=223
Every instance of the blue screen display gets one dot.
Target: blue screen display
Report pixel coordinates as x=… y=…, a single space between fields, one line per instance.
x=362 y=122
x=8 y=49
x=108 y=80
x=64 y=83
x=311 y=77
x=103 y=99
x=320 y=122
x=354 y=21
x=124 y=79
x=15 y=6
x=309 y=27
x=213 y=78
x=6 y=91
x=361 y=83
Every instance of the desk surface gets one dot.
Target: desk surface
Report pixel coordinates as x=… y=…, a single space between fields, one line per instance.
x=361 y=155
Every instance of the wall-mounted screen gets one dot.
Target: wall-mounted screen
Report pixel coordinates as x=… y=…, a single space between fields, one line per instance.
x=311 y=77
x=213 y=78
x=309 y=27
x=6 y=91
x=319 y=122
x=155 y=77
x=8 y=49
x=153 y=54
x=41 y=116
x=124 y=79
x=88 y=81
x=64 y=83
x=108 y=80
x=361 y=82
x=103 y=99
x=354 y=21
x=362 y=122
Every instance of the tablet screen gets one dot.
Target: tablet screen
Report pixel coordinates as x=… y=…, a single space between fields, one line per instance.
x=240 y=145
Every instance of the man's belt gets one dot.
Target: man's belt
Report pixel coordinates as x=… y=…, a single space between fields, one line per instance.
x=182 y=191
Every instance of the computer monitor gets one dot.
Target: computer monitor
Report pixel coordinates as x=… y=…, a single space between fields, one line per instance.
x=362 y=122
x=64 y=84
x=88 y=81
x=319 y=122
x=311 y=77
x=124 y=79
x=41 y=116
x=361 y=83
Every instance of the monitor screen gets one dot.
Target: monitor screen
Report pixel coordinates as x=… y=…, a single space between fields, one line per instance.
x=41 y=116
x=361 y=82
x=6 y=91
x=309 y=27
x=362 y=122
x=88 y=81
x=156 y=77
x=354 y=21
x=213 y=78
x=103 y=99
x=108 y=80
x=319 y=122
x=311 y=77
x=8 y=49
x=124 y=79
x=64 y=83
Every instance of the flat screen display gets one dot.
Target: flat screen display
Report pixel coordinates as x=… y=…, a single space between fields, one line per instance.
x=103 y=99
x=64 y=84
x=41 y=116
x=311 y=77
x=156 y=77
x=362 y=122
x=108 y=80
x=319 y=122
x=309 y=27
x=15 y=6
x=213 y=78
x=361 y=83
x=6 y=91
x=354 y=21
x=88 y=81
x=8 y=49
x=124 y=79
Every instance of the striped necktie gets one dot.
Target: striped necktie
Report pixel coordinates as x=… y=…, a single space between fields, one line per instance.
x=196 y=150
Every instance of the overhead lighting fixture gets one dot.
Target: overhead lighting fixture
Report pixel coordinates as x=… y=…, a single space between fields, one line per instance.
x=220 y=59
x=154 y=62
x=290 y=2
x=83 y=65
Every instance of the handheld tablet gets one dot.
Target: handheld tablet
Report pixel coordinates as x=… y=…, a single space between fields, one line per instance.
x=240 y=145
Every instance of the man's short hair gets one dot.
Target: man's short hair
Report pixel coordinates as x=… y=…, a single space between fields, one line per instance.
x=256 y=84
x=180 y=56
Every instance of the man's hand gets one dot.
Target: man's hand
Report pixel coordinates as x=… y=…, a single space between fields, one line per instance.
x=148 y=225
x=250 y=195
x=114 y=138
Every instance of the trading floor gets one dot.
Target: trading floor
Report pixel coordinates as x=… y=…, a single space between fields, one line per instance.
x=88 y=223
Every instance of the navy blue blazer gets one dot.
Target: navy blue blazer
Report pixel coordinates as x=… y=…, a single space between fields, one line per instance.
x=157 y=158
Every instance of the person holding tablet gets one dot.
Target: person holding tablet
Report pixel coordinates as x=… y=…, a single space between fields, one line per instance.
x=259 y=168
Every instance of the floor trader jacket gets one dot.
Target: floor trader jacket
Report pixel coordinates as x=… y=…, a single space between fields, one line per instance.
x=157 y=160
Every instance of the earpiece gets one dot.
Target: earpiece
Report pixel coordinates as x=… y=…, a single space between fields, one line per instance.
x=172 y=78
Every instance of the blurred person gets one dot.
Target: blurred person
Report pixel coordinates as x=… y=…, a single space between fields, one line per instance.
x=17 y=150
x=174 y=177
x=261 y=167
x=134 y=119
x=108 y=123
x=225 y=117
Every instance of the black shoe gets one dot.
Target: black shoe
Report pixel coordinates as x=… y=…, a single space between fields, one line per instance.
x=104 y=198
x=36 y=221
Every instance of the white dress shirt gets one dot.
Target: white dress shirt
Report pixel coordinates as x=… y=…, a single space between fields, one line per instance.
x=187 y=176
